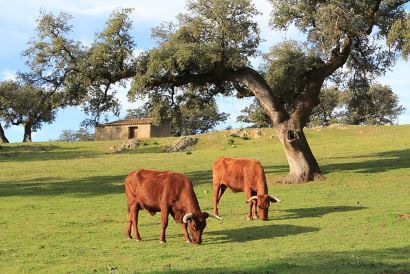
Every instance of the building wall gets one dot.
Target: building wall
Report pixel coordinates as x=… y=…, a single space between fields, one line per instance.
x=163 y=130
x=111 y=133
x=144 y=131
x=122 y=132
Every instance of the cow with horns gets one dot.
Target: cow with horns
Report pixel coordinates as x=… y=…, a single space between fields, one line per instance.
x=169 y=193
x=242 y=175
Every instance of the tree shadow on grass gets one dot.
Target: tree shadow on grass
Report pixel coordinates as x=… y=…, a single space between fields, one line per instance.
x=253 y=233
x=389 y=260
x=91 y=186
x=298 y=213
x=41 y=152
x=200 y=177
x=389 y=160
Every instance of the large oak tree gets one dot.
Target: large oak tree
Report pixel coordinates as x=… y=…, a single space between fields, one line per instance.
x=212 y=44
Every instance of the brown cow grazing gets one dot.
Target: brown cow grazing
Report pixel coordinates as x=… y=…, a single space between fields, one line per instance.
x=168 y=192
x=242 y=175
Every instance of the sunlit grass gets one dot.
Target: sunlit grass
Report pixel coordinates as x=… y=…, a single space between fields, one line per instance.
x=62 y=208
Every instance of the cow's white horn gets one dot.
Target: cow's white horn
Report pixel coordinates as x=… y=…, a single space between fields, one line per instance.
x=275 y=198
x=215 y=216
x=187 y=217
x=252 y=198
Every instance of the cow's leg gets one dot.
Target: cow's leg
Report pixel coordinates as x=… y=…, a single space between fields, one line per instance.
x=255 y=210
x=185 y=231
x=137 y=234
x=218 y=192
x=254 y=207
x=248 y=195
x=164 y=217
x=216 y=200
x=129 y=223
x=133 y=220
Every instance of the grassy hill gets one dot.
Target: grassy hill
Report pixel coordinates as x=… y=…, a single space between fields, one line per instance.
x=62 y=208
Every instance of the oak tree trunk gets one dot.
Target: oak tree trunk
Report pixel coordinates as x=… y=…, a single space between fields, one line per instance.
x=3 y=138
x=303 y=166
x=27 y=132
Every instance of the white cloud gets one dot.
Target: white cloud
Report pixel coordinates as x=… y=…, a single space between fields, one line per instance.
x=7 y=74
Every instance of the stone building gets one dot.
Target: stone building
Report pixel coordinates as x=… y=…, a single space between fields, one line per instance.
x=131 y=129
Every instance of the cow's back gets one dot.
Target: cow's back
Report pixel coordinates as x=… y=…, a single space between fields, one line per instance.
x=151 y=188
x=237 y=172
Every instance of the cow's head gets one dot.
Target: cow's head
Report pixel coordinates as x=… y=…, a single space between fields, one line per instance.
x=263 y=202
x=197 y=223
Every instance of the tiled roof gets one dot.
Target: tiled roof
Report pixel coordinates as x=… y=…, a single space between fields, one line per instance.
x=129 y=122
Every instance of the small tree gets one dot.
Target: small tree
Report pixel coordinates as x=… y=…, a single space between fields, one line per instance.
x=81 y=135
x=254 y=115
x=27 y=105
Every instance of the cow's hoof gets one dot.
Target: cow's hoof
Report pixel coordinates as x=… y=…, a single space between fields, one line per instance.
x=162 y=242
x=188 y=241
x=128 y=238
x=249 y=218
x=137 y=240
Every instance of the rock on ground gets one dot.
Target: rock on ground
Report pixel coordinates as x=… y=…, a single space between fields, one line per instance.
x=182 y=144
x=129 y=144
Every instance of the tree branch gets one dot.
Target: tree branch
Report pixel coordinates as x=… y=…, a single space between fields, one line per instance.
x=248 y=77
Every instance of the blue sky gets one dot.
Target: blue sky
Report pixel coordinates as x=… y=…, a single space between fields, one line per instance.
x=18 y=22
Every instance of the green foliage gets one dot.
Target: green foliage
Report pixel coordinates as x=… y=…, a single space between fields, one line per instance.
x=109 y=62
x=81 y=135
x=324 y=114
x=399 y=35
x=285 y=69
x=231 y=141
x=25 y=104
x=254 y=115
x=216 y=34
x=64 y=202
x=371 y=105
x=327 y=23
x=82 y=75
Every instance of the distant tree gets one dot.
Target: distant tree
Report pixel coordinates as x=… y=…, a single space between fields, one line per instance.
x=255 y=116
x=27 y=105
x=370 y=105
x=324 y=113
x=81 y=135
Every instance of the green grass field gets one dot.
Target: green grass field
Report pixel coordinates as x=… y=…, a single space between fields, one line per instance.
x=62 y=208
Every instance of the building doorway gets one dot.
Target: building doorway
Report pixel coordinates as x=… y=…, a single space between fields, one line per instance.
x=132 y=132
